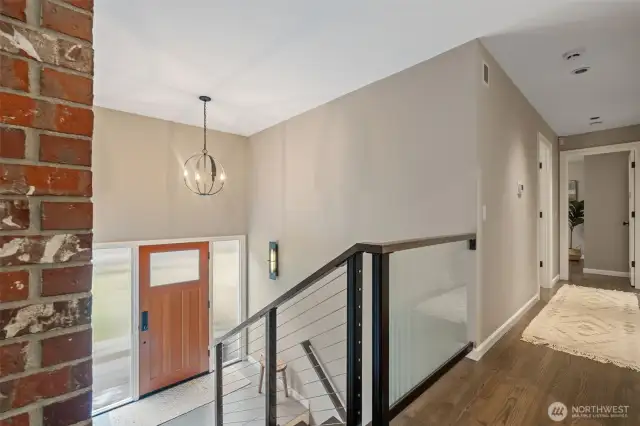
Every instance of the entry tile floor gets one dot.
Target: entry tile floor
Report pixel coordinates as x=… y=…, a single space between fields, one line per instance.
x=244 y=406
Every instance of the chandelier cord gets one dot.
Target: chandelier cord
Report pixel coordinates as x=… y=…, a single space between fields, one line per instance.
x=205 y=128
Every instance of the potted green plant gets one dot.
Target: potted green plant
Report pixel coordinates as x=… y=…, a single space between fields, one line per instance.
x=576 y=217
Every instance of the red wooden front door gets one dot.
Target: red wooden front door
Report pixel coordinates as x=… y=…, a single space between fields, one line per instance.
x=174 y=323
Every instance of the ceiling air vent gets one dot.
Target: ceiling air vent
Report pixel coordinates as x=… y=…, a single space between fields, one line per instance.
x=580 y=70
x=572 y=55
x=595 y=120
x=485 y=73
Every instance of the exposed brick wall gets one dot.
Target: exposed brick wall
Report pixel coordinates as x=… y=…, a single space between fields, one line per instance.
x=46 y=215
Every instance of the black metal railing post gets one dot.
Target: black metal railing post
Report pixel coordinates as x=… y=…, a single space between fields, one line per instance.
x=354 y=340
x=271 y=388
x=380 y=341
x=218 y=383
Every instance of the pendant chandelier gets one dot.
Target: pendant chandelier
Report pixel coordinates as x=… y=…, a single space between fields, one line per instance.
x=203 y=174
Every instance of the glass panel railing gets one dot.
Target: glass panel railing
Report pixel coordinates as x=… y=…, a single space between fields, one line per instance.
x=428 y=309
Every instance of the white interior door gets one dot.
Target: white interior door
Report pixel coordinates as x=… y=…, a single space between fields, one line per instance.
x=632 y=208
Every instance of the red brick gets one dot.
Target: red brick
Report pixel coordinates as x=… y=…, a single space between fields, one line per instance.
x=42 y=249
x=14 y=73
x=24 y=111
x=19 y=420
x=56 y=149
x=14 y=214
x=82 y=4
x=77 y=279
x=12 y=143
x=81 y=375
x=68 y=347
x=67 y=21
x=27 y=390
x=13 y=359
x=68 y=412
x=14 y=9
x=46 y=48
x=44 y=180
x=38 y=318
x=57 y=216
x=14 y=286
x=66 y=86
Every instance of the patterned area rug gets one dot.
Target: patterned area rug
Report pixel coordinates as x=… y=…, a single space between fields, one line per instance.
x=602 y=325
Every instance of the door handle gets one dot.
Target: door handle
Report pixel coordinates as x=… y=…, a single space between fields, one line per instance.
x=144 y=323
x=625 y=223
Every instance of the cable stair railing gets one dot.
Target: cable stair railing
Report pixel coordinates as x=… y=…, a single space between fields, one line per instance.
x=301 y=356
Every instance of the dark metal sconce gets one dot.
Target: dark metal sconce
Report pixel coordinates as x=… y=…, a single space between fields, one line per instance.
x=273 y=260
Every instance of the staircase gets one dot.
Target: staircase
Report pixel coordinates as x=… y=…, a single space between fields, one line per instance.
x=312 y=338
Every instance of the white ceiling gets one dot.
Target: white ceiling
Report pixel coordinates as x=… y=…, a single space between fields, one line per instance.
x=266 y=61
x=609 y=33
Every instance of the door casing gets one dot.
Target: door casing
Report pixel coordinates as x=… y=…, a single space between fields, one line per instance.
x=545 y=212
x=573 y=155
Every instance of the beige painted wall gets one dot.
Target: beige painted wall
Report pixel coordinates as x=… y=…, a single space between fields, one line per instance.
x=600 y=138
x=393 y=160
x=606 y=206
x=396 y=159
x=138 y=186
x=508 y=129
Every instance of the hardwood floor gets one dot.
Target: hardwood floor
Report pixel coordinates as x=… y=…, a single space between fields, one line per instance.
x=515 y=382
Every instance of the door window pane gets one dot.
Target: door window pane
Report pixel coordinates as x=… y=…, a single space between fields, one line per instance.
x=172 y=267
x=111 y=322
x=226 y=293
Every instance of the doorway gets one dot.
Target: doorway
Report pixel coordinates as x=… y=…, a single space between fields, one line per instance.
x=545 y=207
x=119 y=301
x=600 y=209
x=174 y=318
x=607 y=240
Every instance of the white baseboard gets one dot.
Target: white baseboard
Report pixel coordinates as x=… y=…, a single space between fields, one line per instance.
x=479 y=351
x=603 y=272
x=552 y=283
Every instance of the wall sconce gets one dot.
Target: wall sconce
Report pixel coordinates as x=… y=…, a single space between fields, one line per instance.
x=273 y=260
